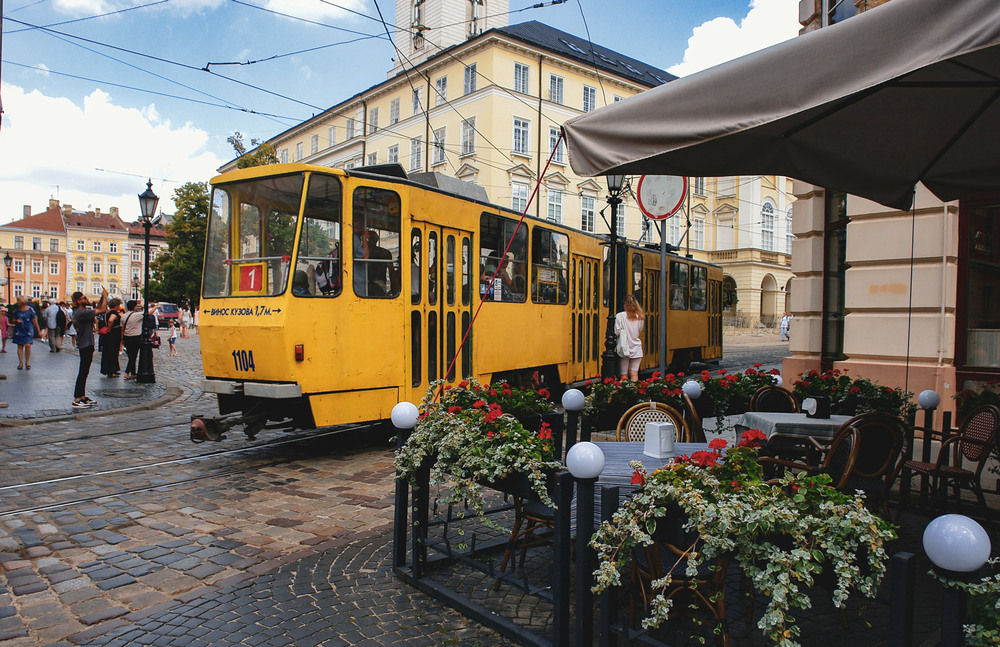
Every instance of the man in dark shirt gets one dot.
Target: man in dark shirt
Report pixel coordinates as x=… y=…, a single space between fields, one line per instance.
x=83 y=321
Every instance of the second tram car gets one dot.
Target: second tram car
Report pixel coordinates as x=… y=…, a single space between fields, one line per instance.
x=328 y=296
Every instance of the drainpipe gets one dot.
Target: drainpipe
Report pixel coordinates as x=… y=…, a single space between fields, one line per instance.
x=364 y=131
x=538 y=157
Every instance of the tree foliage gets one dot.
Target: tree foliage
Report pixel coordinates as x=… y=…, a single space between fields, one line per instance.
x=262 y=153
x=176 y=274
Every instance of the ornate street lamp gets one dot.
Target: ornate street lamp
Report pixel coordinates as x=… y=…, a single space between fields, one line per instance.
x=7 y=261
x=609 y=360
x=147 y=206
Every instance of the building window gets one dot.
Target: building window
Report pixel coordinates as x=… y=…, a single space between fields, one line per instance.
x=418 y=100
x=438 y=154
x=621 y=221
x=587 y=204
x=36 y=290
x=97 y=267
x=298 y=152
x=469 y=136
x=372 y=159
x=332 y=135
x=416 y=152
x=521 y=78
x=767 y=227
x=698 y=186
x=18 y=242
x=79 y=286
x=113 y=247
x=555 y=206
x=393 y=156
x=112 y=267
x=135 y=255
x=284 y=156
x=53 y=267
x=470 y=79
x=95 y=287
x=836 y=11
x=36 y=267
x=314 y=144
x=555 y=89
x=674 y=231
x=518 y=196
x=53 y=291
x=97 y=245
x=394 y=111
x=698 y=233
x=618 y=98
x=441 y=91
x=521 y=136
x=372 y=121
x=79 y=267
x=589 y=98
x=36 y=243
x=789 y=237
x=556 y=143
x=18 y=266
x=18 y=290
x=350 y=128
x=80 y=246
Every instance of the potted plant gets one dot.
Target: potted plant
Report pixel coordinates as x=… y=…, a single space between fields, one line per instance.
x=850 y=397
x=781 y=534
x=471 y=442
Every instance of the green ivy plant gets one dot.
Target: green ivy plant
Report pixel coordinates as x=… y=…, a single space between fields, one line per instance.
x=781 y=534
x=983 y=627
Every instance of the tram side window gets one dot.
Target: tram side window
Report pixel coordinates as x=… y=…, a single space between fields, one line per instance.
x=252 y=258
x=415 y=276
x=510 y=283
x=637 y=275
x=678 y=285
x=376 y=242
x=549 y=267
x=699 y=288
x=318 y=270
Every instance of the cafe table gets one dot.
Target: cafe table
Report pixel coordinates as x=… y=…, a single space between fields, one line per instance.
x=791 y=425
x=618 y=454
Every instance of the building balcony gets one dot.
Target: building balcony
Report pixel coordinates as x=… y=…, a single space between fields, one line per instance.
x=750 y=255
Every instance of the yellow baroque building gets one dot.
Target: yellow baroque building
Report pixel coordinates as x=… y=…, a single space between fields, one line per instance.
x=473 y=98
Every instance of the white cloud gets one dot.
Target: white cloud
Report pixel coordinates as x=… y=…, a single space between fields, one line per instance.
x=719 y=40
x=316 y=10
x=61 y=145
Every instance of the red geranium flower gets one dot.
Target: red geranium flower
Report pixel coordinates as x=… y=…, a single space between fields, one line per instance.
x=637 y=478
x=478 y=403
x=544 y=393
x=463 y=384
x=717 y=443
x=753 y=438
x=454 y=409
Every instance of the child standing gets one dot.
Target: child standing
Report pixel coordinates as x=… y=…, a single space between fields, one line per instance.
x=172 y=339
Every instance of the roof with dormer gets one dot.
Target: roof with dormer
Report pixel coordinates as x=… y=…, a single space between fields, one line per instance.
x=92 y=220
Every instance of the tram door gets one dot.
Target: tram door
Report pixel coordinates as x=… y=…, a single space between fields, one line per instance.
x=586 y=335
x=440 y=304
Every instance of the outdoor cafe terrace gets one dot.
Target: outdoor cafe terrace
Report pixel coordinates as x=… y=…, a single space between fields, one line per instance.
x=756 y=515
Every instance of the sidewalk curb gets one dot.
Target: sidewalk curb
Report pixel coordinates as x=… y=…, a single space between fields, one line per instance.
x=170 y=394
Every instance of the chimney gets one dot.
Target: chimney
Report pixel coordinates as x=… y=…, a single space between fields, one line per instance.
x=53 y=203
x=97 y=212
x=66 y=209
x=26 y=210
x=114 y=212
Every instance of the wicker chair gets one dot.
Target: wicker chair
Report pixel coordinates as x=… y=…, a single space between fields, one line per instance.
x=975 y=439
x=632 y=426
x=695 y=411
x=774 y=399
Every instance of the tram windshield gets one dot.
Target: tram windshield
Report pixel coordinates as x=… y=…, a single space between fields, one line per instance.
x=251 y=232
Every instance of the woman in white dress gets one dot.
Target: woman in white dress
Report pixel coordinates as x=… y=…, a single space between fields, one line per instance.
x=628 y=323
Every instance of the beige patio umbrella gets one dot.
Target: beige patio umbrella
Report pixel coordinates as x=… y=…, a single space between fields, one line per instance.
x=903 y=93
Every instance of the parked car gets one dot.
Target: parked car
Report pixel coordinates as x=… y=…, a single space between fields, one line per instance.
x=165 y=313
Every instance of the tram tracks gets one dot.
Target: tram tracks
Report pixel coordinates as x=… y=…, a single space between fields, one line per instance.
x=43 y=488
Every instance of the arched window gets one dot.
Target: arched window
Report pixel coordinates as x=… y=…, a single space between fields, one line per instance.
x=767 y=226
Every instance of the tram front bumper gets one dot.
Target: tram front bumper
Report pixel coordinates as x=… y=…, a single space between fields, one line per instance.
x=254 y=389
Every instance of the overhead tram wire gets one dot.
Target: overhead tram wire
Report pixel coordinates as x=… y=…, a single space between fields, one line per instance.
x=100 y=15
x=593 y=54
x=153 y=92
x=163 y=60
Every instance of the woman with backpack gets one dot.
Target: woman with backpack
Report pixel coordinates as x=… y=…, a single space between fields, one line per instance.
x=111 y=334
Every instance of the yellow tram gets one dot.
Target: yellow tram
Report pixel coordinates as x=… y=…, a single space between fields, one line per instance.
x=328 y=296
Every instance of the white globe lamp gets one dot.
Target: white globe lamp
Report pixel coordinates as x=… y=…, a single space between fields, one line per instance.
x=928 y=399
x=585 y=460
x=573 y=400
x=956 y=543
x=692 y=389
x=404 y=415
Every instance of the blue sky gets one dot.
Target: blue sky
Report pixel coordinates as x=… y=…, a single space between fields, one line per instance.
x=117 y=91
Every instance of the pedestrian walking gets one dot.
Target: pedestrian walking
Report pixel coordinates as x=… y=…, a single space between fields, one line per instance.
x=51 y=317
x=4 y=325
x=25 y=327
x=83 y=321
x=185 y=322
x=112 y=340
x=628 y=327
x=172 y=339
x=132 y=336
x=784 y=326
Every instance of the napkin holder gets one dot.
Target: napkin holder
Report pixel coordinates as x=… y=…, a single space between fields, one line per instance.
x=659 y=442
x=819 y=407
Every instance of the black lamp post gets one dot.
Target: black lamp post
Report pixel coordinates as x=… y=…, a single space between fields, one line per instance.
x=147 y=205
x=7 y=261
x=609 y=360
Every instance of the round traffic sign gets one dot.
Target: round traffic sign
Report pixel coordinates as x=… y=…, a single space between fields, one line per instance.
x=660 y=196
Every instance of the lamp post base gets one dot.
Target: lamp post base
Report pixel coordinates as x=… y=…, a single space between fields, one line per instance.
x=145 y=374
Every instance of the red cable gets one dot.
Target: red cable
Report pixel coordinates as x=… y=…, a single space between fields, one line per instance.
x=510 y=242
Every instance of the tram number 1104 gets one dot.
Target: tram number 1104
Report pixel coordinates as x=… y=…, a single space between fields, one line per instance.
x=243 y=359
